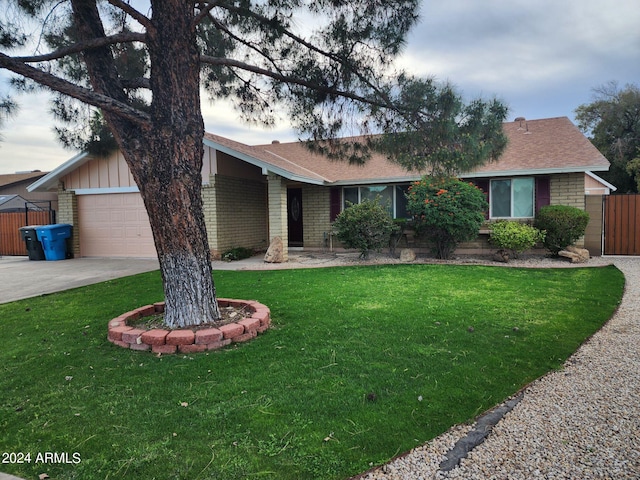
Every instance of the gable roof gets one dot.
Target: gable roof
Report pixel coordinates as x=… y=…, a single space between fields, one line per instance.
x=551 y=145
x=12 y=178
x=536 y=147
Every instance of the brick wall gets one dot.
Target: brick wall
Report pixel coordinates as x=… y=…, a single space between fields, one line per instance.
x=568 y=189
x=68 y=213
x=277 y=213
x=315 y=211
x=209 y=209
x=235 y=214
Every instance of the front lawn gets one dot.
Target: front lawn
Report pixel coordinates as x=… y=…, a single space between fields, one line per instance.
x=362 y=364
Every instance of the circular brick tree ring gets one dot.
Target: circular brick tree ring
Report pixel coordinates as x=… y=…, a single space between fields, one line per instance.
x=186 y=340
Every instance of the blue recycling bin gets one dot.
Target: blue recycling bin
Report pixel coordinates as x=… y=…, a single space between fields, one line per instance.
x=54 y=240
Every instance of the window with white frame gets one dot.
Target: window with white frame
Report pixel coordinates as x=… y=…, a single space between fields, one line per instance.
x=512 y=197
x=391 y=196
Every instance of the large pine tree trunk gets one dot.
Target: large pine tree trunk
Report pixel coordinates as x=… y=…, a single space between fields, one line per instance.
x=165 y=156
x=174 y=204
x=170 y=178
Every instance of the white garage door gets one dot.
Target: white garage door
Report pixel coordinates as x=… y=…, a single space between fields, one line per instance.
x=114 y=225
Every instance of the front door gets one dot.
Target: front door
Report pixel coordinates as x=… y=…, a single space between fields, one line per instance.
x=294 y=217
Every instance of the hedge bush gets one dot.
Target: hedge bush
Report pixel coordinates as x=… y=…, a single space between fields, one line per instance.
x=365 y=226
x=563 y=225
x=237 y=253
x=514 y=237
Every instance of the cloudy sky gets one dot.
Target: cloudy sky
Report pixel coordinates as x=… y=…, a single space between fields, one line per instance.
x=541 y=57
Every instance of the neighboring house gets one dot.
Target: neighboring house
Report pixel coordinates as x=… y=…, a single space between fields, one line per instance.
x=15 y=203
x=254 y=193
x=17 y=183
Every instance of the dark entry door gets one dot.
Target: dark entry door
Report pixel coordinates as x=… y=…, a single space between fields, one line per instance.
x=294 y=217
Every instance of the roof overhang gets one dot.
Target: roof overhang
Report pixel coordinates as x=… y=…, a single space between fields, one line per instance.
x=50 y=180
x=263 y=165
x=541 y=171
x=602 y=181
x=373 y=181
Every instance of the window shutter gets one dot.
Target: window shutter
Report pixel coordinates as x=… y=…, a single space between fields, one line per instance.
x=543 y=192
x=484 y=185
x=335 y=202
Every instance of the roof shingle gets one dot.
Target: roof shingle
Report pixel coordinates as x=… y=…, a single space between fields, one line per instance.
x=535 y=147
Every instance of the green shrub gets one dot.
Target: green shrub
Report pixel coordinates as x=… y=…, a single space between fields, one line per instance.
x=365 y=226
x=237 y=253
x=446 y=211
x=563 y=225
x=514 y=237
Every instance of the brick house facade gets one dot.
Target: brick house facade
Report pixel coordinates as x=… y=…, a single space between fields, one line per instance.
x=251 y=194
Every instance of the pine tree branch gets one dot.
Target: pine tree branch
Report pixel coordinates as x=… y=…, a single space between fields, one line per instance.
x=79 y=93
x=382 y=102
x=310 y=46
x=125 y=37
x=135 y=14
x=205 y=9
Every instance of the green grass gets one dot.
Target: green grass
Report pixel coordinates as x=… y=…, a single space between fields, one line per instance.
x=293 y=403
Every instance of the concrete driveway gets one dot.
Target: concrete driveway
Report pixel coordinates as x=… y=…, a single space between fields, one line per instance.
x=23 y=278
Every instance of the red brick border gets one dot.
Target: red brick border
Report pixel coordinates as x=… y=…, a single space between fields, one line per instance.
x=186 y=340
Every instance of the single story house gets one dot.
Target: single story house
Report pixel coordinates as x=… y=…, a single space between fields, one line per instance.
x=254 y=193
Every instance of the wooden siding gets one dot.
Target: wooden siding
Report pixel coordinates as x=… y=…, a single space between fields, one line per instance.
x=113 y=172
x=106 y=172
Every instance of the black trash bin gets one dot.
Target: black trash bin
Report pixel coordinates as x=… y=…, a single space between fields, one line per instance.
x=34 y=246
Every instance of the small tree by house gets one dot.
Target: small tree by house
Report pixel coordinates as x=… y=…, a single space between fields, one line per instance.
x=446 y=211
x=365 y=226
x=563 y=225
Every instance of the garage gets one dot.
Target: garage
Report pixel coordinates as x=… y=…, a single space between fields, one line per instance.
x=114 y=225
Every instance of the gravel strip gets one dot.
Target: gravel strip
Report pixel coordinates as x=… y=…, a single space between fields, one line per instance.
x=581 y=422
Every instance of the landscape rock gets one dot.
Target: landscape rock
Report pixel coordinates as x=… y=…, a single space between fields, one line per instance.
x=501 y=256
x=275 y=252
x=577 y=255
x=407 y=255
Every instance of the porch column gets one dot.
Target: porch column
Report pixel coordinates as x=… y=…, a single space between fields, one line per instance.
x=68 y=213
x=210 y=206
x=277 y=192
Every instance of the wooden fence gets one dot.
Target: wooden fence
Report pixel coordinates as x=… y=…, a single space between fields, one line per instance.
x=11 y=242
x=622 y=225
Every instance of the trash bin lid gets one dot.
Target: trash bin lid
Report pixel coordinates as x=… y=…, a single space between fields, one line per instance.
x=54 y=226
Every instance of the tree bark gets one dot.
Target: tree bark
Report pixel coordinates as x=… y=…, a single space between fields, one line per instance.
x=165 y=156
x=171 y=180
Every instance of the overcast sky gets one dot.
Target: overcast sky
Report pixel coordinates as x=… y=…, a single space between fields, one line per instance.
x=540 y=57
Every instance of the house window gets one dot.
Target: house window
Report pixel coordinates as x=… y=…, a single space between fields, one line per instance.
x=512 y=198
x=391 y=196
